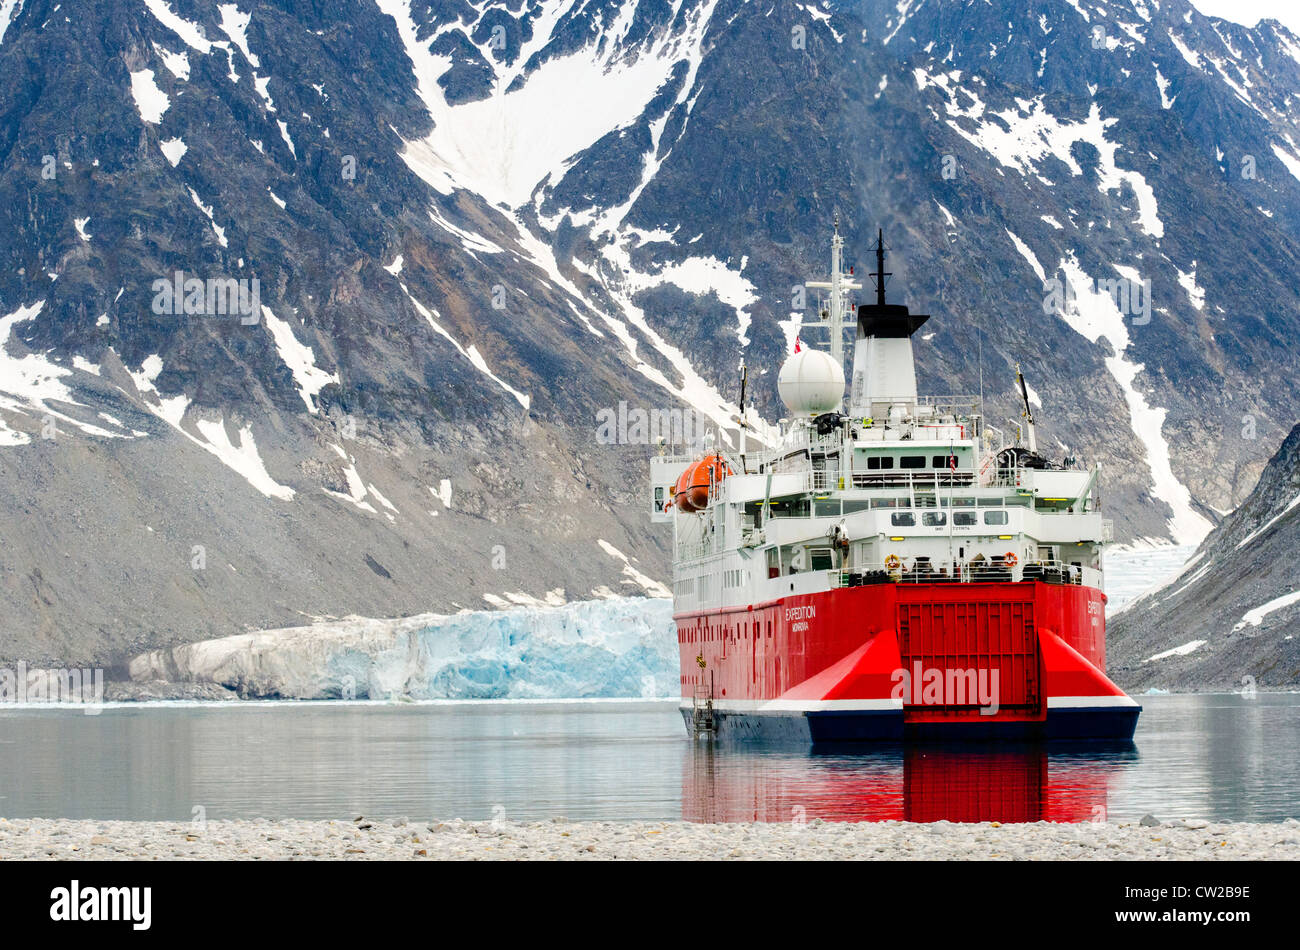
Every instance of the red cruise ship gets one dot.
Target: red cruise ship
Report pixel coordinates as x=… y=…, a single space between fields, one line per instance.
x=888 y=567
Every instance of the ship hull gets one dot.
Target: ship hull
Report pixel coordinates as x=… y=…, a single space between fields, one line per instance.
x=905 y=663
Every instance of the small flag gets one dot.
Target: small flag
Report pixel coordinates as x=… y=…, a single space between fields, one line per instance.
x=797 y=345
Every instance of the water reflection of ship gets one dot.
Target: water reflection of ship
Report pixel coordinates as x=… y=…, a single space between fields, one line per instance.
x=1007 y=784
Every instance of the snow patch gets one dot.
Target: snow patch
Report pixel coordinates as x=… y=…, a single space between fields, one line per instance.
x=443 y=494
x=284 y=134
x=649 y=584
x=1255 y=617
x=1021 y=137
x=1195 y=293
x=1183 y=650
x=472 y=354
x=207 y=210
x=190 y=33
x=29 y=384
x=300 y=359
x=150 y=101
x=1094 y=315
x=174 y=149
x=242 y=459
x=503 y=146
x=178 y=64
x=1028 y=255
x=1163 y=85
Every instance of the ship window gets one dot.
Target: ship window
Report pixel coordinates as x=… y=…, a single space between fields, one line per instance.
x=995 y=517
x=884 y=503
x=792 y=508
x=873 y=463
x=903 y=519
x=860 y=504
x=992 y=502
x=963 y=502
x=821 y=559
x=963 y=519
x=912 y=461
x=939 y=461
x=826 y=507
x=932 y=519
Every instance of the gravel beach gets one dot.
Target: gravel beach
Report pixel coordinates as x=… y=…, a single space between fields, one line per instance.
x=558 y=839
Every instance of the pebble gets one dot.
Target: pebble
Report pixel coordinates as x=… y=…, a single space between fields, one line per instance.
x=456 y=839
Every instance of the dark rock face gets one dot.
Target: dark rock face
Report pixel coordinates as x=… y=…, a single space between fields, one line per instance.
x=1231 y=619
x=472 y=231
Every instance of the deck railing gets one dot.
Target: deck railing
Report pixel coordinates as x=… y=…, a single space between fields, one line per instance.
x=921 y=571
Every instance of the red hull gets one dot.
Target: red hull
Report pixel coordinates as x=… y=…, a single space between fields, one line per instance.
x=937 y=658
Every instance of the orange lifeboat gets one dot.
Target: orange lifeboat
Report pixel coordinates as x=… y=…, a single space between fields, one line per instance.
x=692 y=491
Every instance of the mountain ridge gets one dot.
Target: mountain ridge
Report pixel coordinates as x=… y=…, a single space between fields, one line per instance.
x=452 y=303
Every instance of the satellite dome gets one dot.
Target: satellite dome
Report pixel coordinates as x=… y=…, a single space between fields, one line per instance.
x=811 y=383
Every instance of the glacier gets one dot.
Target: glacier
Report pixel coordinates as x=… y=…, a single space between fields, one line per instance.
x=614 y=647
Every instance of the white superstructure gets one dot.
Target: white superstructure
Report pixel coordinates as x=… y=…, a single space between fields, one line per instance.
x=899 y=488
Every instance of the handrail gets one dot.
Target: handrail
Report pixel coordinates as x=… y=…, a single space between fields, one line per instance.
x=910 y=570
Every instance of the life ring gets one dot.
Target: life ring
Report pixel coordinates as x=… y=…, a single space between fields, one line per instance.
x=892 y=562
x=1010 y=559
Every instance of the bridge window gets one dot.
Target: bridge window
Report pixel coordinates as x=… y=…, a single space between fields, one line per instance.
x=933 y=519
x=912 y=461
x=963 y=519
x=875 y=462
x=995 y=517
x=903 y=519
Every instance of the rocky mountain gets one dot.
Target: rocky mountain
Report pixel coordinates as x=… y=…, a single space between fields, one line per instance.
x=310 y=310
x=1230 y=620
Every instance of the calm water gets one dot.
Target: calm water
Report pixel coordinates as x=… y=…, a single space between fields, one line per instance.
x=1216 y=757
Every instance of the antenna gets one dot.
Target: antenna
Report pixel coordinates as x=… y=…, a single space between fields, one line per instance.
x=744 y=422
x=1029 y=412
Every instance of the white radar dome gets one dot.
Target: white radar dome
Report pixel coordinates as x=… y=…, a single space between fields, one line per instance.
x=811 y=383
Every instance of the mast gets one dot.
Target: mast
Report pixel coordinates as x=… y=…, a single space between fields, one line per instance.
x=880 y=274
x=839 y=315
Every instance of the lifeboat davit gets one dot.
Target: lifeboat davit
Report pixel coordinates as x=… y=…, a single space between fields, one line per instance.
x=692 y=491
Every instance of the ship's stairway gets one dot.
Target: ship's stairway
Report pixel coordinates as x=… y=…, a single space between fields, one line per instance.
x=702 y=719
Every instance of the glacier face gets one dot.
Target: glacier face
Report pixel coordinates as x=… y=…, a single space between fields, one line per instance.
x=618 y=647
